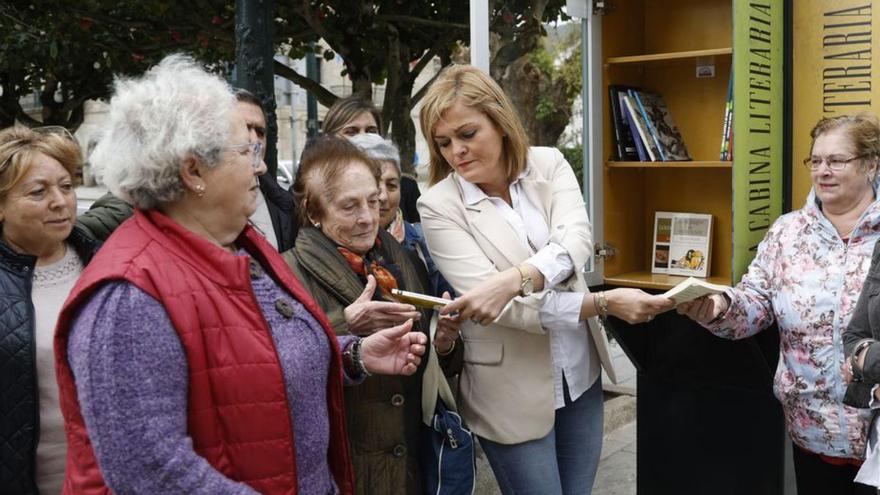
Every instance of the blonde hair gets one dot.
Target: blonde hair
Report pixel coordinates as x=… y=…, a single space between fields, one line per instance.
x=475 y=89
x=19 y=146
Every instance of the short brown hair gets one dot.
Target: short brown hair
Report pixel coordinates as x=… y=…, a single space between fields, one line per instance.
x=322 y=162
x=862 y=130
x=344 y=110
x=19 y=146
x=473 y=88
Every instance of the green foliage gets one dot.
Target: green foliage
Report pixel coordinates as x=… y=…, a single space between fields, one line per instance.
x=560 y=62
x=575 y=157
x=68 y=51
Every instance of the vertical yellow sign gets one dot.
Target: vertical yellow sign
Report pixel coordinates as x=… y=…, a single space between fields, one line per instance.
x=757 y=131
x=833 y=72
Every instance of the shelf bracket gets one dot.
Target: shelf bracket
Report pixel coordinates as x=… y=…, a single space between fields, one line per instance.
x=605 y=251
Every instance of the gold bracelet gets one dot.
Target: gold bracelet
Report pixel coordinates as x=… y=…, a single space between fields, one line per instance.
x=448 y=352
x=603 y=304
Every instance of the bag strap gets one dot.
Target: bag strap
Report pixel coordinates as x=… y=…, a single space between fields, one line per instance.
x=434 y=382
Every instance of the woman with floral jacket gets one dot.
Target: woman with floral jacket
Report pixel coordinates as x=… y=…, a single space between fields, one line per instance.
x=807 y=276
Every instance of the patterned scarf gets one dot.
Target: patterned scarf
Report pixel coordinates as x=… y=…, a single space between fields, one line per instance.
x=371 y=263
x=396 y=227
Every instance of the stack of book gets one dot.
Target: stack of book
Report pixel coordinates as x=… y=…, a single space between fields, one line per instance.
x=727 y=133
x=643 y=128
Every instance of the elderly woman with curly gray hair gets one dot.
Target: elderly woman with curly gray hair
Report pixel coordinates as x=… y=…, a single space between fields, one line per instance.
x=190 y=359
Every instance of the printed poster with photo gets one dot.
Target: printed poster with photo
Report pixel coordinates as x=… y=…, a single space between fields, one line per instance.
x=682 y=243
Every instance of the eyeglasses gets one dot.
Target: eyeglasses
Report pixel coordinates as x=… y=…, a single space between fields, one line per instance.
x=835 y=163
x=56 y=130
x=255 y=147
x=28 y=140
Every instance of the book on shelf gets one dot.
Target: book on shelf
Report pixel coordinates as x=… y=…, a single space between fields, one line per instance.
x=693 y=288
x=663 y=129
x=682 y=243
x=632 y=107
x=625 y=147
x=638 y=98
x=727 y=130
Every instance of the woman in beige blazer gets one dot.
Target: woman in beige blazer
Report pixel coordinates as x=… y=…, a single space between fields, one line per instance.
x=507 y=227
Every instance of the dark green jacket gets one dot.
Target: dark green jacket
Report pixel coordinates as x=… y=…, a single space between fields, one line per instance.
x=108 y=212
x=105 y=214
x=384 y=412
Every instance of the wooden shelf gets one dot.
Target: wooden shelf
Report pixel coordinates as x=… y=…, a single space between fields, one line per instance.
x=648 y=280
x=692 y=164
x=670 y=56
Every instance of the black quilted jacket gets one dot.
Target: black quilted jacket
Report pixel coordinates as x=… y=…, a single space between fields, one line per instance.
x=19 y=408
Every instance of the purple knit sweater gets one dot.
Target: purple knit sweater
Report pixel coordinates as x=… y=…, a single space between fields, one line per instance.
x=131 y=380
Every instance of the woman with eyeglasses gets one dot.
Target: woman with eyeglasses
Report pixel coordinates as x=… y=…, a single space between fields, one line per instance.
x=41 y=257
x=806 y=277
x=190 y=359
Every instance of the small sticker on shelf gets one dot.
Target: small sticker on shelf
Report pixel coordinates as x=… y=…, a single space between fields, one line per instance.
x=705 y=71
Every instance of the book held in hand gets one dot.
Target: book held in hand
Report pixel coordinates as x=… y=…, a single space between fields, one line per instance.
x=693 y=288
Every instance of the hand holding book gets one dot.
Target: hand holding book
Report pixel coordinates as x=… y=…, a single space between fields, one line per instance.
x=706 y=308
x=693 y=288
x=630 y=305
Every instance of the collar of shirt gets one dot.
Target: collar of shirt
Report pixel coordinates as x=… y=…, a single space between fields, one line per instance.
x=472 y=194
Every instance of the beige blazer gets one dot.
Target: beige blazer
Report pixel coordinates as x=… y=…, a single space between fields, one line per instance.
x=506 y=385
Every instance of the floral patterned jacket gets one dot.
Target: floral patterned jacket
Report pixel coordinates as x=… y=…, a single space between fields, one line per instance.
x=808 y=280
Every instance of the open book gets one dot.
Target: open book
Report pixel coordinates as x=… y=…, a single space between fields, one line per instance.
x=693 y=288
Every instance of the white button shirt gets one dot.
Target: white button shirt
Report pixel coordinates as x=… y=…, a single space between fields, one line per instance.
x=560 y=313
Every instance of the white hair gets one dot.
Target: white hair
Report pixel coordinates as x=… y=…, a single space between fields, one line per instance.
x=174 y=110
x=377 y=147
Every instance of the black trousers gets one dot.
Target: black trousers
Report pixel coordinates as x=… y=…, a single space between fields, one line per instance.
x=817 y=477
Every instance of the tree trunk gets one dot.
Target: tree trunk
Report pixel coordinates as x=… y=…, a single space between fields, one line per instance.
x=9 y=106
x=542 y=104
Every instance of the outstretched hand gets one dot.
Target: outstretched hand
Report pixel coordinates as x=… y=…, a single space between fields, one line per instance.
x=394 y=351
x=364 y=316
x=484 y=303
x=448 y=328
x=703 y=309
x=635 y=305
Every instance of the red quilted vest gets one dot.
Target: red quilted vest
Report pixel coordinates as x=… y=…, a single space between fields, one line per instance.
x=204 y=287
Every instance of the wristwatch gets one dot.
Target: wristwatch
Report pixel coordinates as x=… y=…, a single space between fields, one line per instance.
x=526 y=286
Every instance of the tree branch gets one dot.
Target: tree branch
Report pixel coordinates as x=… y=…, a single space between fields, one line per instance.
x=419 y=20
x=322 y=94
x=424 y=89
x=423 y=62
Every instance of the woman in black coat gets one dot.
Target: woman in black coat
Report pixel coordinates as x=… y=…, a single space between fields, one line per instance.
x=41 y=257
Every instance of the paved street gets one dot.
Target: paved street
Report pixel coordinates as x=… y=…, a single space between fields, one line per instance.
x=617 y=465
